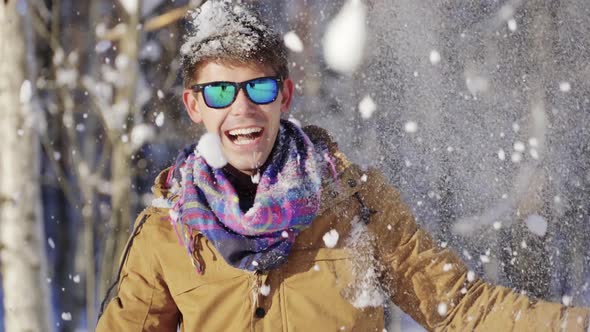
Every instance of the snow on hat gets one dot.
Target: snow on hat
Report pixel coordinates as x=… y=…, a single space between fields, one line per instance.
x=222 y=28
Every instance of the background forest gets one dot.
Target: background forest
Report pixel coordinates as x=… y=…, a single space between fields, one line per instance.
x=477 y=111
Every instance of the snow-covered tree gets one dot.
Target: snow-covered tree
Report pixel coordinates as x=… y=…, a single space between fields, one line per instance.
x=22 y=258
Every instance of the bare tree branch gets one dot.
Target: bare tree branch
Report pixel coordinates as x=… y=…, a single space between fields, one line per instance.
x=155 y=23
x=161 y=21
x=55 y=25
x=59 y=171
x=42 y=9
x=42 y=30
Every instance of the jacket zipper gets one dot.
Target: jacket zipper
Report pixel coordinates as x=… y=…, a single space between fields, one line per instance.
x=256 y=289
x=257 y=282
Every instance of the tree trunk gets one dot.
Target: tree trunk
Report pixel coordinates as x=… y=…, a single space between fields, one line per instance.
x=120 y=222
x=121 y=155
x=21 y=230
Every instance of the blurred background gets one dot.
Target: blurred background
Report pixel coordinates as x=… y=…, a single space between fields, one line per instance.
x=477 y=111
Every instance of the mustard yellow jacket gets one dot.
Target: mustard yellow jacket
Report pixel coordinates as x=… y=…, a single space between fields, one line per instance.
x=333 y=285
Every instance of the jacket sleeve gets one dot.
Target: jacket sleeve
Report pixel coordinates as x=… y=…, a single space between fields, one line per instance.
x=433 y=285
x=143 y=301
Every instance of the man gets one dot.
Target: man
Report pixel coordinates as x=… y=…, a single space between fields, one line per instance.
x=267 y=227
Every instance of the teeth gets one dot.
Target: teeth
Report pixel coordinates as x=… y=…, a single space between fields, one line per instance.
x=245 y=131
x=243 y=141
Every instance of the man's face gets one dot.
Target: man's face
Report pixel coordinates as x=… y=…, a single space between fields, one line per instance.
x=247 y=131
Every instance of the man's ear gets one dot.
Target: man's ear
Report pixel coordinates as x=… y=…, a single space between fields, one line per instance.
x=287 y=95
x=191 y=105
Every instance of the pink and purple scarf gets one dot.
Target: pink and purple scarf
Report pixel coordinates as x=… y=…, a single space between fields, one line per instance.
x=286 y=202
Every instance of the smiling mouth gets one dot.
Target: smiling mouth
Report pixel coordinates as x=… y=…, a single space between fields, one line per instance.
x=244 y=136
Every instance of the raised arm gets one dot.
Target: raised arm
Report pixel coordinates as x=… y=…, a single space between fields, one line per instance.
x=431 y=284
x=142 y=302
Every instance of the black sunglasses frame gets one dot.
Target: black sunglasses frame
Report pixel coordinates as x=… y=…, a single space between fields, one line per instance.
x=239 y=86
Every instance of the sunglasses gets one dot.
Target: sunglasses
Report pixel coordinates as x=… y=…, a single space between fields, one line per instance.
x=260 y=91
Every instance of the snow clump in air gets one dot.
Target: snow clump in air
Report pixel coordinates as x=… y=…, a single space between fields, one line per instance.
x=209 y=147
x=345 y=38
x=265 y=290
x=411 y=127
x=442 y=308
x=142 y=134
x=331 y=238
x=367 y=106
x=159 y=119
x=293 y=42
x=519 y=146
x=537 y=224
x=434 y=57
x=565 y=86
x=66 y=316
x=512 y=25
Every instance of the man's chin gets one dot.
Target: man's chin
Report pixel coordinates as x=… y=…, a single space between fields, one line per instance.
x=244 y=167
x=247 y=163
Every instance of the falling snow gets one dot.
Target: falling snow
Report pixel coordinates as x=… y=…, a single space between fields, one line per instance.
x=159 y=119
x=331 y=238
x=293 y=42
x=442 y=309
x=565 y=87
x=434 y=57
x=474 y=138
x=512 y=25
x=265 y=290
x=344 y=40
x=537 y=224
x=411 y=127
x=366 y=107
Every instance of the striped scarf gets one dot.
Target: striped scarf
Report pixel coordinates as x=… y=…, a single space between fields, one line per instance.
x=287 y=200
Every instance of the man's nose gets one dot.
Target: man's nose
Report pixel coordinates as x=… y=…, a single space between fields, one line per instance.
x=242 y=105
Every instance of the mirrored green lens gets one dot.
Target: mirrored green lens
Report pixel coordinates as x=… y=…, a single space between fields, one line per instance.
x=262 y=91
x=219 y=95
